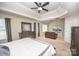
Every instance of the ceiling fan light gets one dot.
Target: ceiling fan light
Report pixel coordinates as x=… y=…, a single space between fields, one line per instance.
x=39 y=8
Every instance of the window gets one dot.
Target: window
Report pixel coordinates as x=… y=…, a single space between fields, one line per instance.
x=44 y=27
x=2 y=30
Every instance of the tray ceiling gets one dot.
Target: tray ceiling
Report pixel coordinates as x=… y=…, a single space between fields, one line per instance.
x=51 y=6
x=56 y=9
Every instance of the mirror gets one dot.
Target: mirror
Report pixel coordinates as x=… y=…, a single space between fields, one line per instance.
x=26 y=26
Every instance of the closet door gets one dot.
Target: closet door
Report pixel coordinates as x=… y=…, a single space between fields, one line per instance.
x=75 y=41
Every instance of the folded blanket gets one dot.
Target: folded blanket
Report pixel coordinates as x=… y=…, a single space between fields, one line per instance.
x=4 y=51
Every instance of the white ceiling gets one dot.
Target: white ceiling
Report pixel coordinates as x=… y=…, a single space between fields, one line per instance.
x=51 y=6
x=56 y=9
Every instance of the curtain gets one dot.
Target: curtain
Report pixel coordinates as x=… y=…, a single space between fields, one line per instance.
x=8 y=29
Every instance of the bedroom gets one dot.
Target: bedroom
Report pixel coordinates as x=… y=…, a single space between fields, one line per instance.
x=19 y=21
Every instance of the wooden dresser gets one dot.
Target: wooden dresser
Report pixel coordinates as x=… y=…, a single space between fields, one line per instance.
x=51 y=35
x=27 y=34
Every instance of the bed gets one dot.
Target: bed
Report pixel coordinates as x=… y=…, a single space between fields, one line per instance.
x=29 y=47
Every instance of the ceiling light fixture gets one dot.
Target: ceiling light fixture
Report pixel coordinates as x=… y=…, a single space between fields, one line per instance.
x=39 y=8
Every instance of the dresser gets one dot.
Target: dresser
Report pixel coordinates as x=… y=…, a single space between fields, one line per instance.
x=51 y=35
x=27 y=34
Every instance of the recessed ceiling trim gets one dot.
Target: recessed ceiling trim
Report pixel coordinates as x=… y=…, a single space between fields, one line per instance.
x=41 y=17
x=11 y=11
x=54 y=14
x=17 y=9
x=26 y=8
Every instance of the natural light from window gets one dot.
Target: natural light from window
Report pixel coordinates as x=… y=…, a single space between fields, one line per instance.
x=2 y=30
x=44 y=28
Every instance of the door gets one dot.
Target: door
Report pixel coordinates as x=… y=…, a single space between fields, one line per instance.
x=75 y=40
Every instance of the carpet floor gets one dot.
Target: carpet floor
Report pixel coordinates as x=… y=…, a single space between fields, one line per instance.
x=62 y=47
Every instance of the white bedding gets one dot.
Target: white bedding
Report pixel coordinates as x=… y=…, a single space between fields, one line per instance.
x=29 y=47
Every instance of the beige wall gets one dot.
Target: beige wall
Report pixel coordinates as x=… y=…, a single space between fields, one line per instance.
x=16 y=23
x=59 y=22
x=70 y=21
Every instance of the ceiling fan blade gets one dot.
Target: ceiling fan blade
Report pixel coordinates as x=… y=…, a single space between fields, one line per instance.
x=36 y=4
x=38 y=11
x=35 y=8
x=40 y=4
x=44 y=9
x=45 y=4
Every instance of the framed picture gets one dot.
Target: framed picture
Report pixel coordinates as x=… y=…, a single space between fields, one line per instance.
x=57 y=28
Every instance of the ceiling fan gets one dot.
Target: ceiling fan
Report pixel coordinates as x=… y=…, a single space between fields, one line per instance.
x=40 y=6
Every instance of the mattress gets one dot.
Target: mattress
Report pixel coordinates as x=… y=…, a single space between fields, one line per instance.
x=29 y=47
